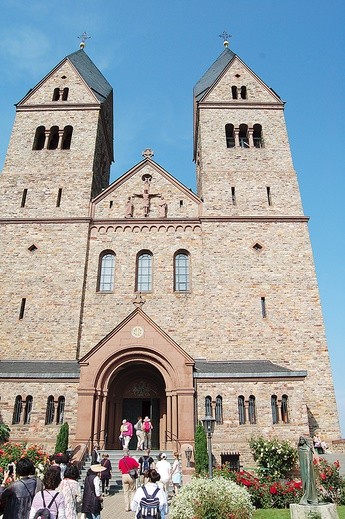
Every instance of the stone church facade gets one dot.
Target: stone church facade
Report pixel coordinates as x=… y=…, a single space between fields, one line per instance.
x=144 y=298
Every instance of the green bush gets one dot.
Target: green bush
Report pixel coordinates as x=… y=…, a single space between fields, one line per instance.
x=200 y=451
x=215 y=498
x=274 y=458
x=62 y=439
x=12 y=452
x=4 y=432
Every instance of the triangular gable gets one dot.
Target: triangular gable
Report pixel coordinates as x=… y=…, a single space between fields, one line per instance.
x=84 y=70
x=180 y=201
x=139 y=330
x=215 y=75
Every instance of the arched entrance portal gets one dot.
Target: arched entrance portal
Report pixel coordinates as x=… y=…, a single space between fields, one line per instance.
x=137 y=369
x=137 y=389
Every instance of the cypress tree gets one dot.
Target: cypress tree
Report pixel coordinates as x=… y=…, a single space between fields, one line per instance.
x=200 y=448
x=62 y=439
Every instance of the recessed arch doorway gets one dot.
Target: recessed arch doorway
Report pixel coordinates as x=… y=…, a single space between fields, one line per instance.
x=137 y=389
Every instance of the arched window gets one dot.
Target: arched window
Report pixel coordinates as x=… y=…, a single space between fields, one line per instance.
x=284 y=409
x=40 y=137
x=144 y=272
x=60 y=410
x=229 y=135
x=53 y=139
x=219 y=410
x=17 y=410
x=243 y=92
x=241 y=410
x=181 y=271
x=65 y=94
x=243 y=135
x=257 y=136
x=208 y=406
x=56 y=94
x=28 y=409
x=234 y=92
x=66 y=137
x=50 y=411
x=106 y=271
x=274 y=407
x=251 y=410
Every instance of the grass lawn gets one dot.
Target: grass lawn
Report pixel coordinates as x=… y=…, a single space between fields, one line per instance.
x=285 y=514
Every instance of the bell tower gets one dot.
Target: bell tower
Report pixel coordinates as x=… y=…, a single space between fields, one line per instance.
x=61 y=146
x=241 y=147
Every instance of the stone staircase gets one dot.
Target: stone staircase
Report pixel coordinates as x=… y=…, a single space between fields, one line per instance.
x=115 y=483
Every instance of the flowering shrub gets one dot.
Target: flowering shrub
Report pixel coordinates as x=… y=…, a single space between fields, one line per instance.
x=331 y=483
x=264 y=492
x=12 y=452
x=274 y=458
x=211 y=499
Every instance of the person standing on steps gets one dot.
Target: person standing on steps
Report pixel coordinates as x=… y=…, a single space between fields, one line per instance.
x=139 y=433
x=146 y=462
x=126 y=433
x=147 y=428
x=106 y=474
x=127 y=464
x=163 y=468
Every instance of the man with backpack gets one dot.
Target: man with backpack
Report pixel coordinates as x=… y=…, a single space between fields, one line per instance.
x=150 y=500
x=146 y=430
x=145 y=462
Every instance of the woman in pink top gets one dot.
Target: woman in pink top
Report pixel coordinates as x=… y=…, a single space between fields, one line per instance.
x=49 y=497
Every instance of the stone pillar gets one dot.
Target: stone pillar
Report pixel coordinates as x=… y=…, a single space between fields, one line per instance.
x=168 y=423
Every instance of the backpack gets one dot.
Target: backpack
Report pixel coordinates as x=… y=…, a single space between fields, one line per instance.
x=146 y=426
x=44 y=513
x=149 y=505
x=146 y=464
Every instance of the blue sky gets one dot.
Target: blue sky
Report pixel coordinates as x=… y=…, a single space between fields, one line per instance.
x=153 y=52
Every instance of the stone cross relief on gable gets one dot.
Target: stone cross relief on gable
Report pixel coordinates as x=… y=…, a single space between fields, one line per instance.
x=146 y=197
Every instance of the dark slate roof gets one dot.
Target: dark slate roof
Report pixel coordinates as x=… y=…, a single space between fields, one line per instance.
x=213 y=73
x=39 y=369
x=243 y=369
x=90 y=73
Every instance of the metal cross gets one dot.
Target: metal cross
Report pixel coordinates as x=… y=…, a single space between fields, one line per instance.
x=225 y=37
x=139 y=301
x=83 y=39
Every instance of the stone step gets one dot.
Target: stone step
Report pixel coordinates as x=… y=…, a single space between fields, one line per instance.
x=114 y=457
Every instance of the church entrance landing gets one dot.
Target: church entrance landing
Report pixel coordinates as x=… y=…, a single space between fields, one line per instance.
x=136 y=370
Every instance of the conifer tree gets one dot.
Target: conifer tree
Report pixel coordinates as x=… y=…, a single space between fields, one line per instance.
x=200 y=450
x=62 y=439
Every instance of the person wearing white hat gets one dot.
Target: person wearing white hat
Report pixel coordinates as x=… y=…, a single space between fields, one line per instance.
x=146 y=429
x=163 y=468
x=92 y=499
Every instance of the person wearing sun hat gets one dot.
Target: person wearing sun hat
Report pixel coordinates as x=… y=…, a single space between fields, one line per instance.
x=146 y=429
x=92 y=499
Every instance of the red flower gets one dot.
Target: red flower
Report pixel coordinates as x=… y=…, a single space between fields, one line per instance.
x=323 y=476
x=273 y=489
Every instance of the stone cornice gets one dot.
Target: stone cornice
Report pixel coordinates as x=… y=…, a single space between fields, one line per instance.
x=233 y=104
x=131 y=222
x=57 y=108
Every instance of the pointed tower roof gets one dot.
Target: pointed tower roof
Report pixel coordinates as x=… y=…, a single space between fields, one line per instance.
x=213 y=73
x=90 y=73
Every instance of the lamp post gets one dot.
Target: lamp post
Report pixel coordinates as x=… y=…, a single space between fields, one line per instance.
x=188 y=453
x=209 y=422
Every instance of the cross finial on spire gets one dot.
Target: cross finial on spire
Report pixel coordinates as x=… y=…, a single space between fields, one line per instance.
x=148 y=153
x=225 y=37
x=83 y=39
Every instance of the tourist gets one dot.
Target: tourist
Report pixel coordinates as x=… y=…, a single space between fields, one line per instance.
x=16 y=499
x=95 y=455
x=147 y=428
x=70 y=489
x=49 y=497
x=126 y=433
x=163 y=467
x=145 y=461
x=106 y=474
x=176 y=474
x=151 y=487
x=92 y=499
x=139 y=433
x=128 y=467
